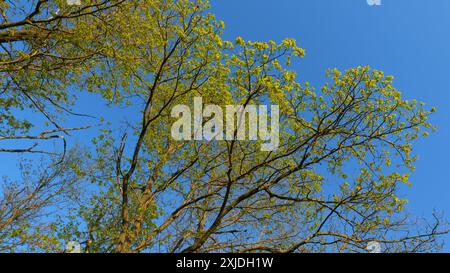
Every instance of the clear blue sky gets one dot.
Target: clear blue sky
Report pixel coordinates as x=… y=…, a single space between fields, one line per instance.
x=409 y=39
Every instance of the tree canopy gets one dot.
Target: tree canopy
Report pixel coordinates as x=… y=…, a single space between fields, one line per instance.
x=332 y=185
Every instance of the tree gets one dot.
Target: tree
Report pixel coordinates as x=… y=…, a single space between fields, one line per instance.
x=331 y=185
x=43 y=52
x=45 y=46
x=29 y=206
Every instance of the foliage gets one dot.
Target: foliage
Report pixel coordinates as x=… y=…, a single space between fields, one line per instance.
x=331 y=186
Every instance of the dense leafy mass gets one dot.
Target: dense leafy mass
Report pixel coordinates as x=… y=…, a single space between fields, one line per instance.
x=345 y=148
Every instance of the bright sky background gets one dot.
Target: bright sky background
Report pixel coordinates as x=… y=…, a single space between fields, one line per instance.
x=409 y=39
